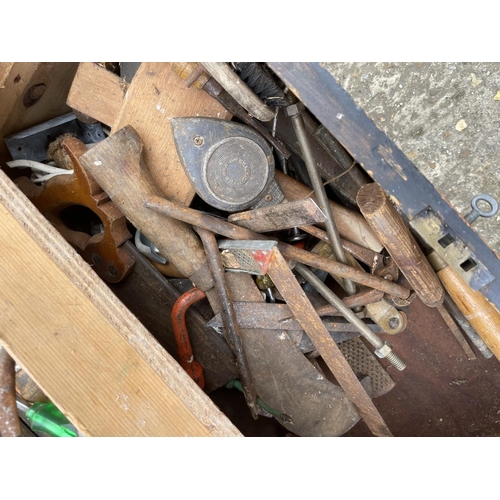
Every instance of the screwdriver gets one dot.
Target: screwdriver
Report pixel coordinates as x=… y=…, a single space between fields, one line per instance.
x=46 y=418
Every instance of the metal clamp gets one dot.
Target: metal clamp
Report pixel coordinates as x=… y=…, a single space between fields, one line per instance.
x=476 y=212
x=146 y=247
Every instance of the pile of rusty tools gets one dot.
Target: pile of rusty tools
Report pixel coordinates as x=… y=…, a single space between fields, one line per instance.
x=246 y=238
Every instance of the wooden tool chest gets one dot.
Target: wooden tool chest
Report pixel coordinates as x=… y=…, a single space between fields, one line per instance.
x=97 y=361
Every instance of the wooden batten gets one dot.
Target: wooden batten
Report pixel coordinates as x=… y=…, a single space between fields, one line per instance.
x=81 y=345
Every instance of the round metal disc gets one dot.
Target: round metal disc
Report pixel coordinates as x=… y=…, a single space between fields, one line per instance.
x=236 y=170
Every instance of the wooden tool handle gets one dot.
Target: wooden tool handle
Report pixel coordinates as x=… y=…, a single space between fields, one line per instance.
x=479 y=312
x=350 y=224
x=116 y=164
x=402 y=247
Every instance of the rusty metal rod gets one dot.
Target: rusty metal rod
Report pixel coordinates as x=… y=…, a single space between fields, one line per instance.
x=233 y=335
x=295 y=113
x=228 y=230
x=365 y=255
x=9 y=419
x=353 y=301
x=457 y=333
x=466 y=326
x=303 y=310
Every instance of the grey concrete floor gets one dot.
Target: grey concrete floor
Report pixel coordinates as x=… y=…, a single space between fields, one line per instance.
x=445 y=117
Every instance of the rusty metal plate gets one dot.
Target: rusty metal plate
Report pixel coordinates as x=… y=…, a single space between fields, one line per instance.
x=364 y=364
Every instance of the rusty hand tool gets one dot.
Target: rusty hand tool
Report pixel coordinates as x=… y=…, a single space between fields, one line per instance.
x=278 y=317
x=101 y=246
x=150 y=297
x=187 y=361
x=402 y=247
x=382 y=349
x=199 y=219
x=351 y=225
x=266 y=256
x=365 y=255
x=286 y=379
x=278 y=217
x=306 y=315
x=294 y=111
x=116 y=164
x=381 y=312
x=233 y=335
x=352 y=301
x=9 y=420
x=456 y=331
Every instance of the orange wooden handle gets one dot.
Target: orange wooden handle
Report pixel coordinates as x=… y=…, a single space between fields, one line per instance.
x=479 y=312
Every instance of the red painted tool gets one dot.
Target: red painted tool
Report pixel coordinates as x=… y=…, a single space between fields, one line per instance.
x=190 y=365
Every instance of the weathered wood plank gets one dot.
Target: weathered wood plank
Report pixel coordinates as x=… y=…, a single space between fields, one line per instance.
x=97 y=92
x=32 y=93
x=155 y=96
x=87 y=352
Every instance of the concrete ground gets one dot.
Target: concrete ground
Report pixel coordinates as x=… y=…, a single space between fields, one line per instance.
x=445 y=117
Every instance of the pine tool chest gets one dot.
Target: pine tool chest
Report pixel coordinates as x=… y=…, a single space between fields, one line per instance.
x=231 y=249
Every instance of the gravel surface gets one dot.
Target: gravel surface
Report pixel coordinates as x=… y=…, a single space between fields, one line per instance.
x=445 y=117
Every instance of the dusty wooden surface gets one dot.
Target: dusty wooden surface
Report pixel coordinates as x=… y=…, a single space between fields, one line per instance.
x=98 y=93
x=88 y=353
x=31 y=93
x=155 y=96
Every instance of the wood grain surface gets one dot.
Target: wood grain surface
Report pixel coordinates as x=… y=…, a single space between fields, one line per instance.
x=97 y=92
x=87 y=352
x=478 y=311
x=402 y=247
x=155 y=96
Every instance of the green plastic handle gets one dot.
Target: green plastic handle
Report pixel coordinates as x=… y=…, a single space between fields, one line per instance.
x=45 y=417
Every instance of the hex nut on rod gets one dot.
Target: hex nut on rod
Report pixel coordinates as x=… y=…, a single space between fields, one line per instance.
x=383 y=349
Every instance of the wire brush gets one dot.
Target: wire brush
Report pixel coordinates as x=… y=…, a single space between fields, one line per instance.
x=263 y=83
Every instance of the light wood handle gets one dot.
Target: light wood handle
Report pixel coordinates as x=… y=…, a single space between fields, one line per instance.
x=350 y=224
x=402 y=247
x=479 y=312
